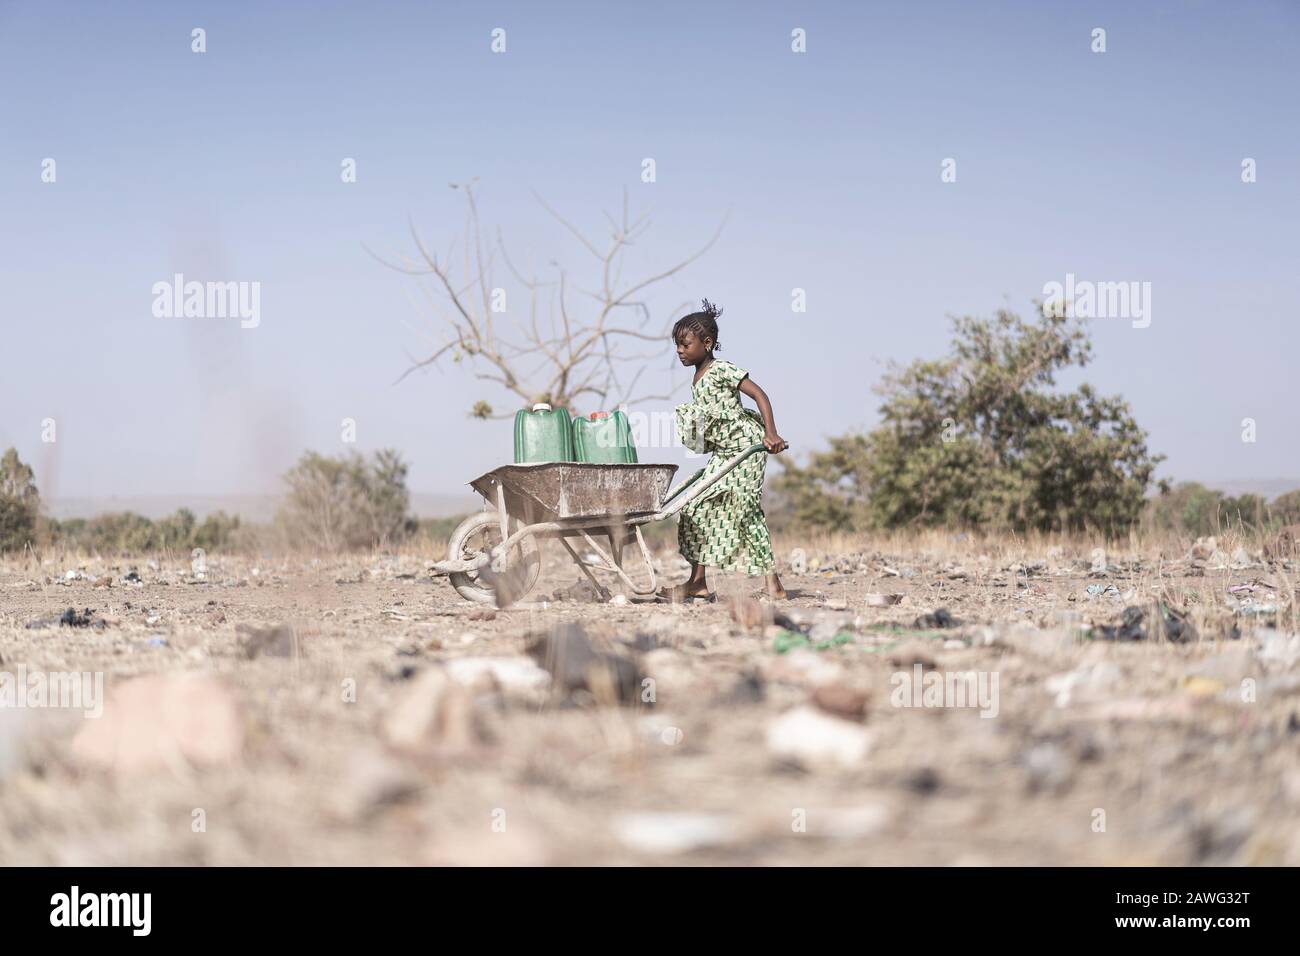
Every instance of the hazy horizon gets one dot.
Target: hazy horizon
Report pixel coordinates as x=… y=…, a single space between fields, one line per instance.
x=1112 y=167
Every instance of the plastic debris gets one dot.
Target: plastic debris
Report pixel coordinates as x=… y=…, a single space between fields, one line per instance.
x=936 y=620
x=1129 y=629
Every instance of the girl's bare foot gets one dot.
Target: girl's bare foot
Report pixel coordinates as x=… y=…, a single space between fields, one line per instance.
x=775 y=590
x=687 y=592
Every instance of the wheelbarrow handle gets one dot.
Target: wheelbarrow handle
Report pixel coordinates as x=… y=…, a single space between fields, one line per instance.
x=667 y=511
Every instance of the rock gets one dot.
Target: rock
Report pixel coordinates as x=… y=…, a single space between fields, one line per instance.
x=675 y=832
x=516 y=676
x=883 y=600
x=581 y=591
x=372 y=781
x=1240 y=559
x=841 y=700
x=432 y=712
x=481 y=614
x=1203 y=548
x=575 y=664
x=751 y=615
x=278 y=640
x=811 y=737
x=852 y=823
x=619 y=600
x=163 y=721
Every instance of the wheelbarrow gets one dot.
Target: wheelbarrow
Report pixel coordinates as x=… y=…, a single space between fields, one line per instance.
x=494 y=557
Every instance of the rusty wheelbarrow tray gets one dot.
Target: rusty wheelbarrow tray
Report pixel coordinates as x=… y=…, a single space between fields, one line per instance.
x=566 y=489
x=561 y=500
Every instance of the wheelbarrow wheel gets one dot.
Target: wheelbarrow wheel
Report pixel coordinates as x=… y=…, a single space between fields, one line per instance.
x=479 y=534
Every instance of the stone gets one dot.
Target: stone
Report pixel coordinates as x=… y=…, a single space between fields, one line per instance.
x=811 y=737
x=432 y=712
x=163 y=721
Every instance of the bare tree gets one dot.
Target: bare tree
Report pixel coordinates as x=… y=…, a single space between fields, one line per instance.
x=576 y=339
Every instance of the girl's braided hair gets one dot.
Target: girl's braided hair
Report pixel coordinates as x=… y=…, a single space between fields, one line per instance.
x=703 y=323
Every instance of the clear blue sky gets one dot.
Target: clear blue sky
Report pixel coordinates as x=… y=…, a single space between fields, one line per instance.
x=1115 y=166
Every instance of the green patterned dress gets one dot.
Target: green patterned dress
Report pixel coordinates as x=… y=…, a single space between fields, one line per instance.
x=726 y=528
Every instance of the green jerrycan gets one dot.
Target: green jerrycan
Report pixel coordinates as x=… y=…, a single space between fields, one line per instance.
x=604 y=439
x=543 y=434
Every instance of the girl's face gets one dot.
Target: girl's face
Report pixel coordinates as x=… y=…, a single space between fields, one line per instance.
x=691 y=350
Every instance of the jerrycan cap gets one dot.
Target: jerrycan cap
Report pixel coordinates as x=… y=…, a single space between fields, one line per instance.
x=541 y=407
x=597 y=416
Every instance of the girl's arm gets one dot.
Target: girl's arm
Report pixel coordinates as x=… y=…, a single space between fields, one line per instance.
x=774 y=442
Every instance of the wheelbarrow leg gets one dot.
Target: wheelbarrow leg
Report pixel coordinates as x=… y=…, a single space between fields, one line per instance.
x=600 y=588
x=616 y=545
x=501 y=511
x=618 y=568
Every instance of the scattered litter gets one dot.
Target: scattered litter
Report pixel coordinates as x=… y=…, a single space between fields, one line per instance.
x=70 y=618
x=883 y=600
x=1106 y=590
x=1251 y=608
x=936 y=620
x=1130 y=628
x=789 y=640
x=1202 y=686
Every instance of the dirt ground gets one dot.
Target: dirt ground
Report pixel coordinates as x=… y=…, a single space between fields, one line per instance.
x=358 y=711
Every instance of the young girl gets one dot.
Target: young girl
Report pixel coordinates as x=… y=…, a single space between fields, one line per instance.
x=725 y=528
